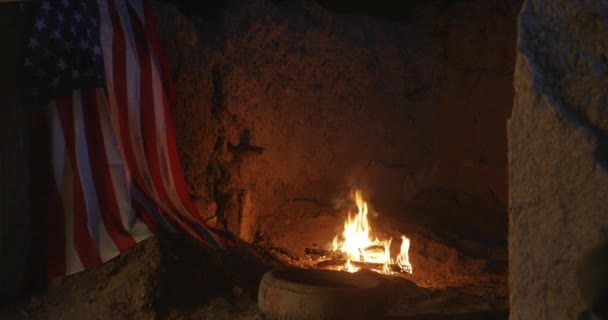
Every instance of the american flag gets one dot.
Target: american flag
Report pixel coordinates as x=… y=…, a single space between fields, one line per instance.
x=98 y=70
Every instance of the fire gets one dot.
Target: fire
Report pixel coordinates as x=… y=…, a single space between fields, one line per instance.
x=358 y=247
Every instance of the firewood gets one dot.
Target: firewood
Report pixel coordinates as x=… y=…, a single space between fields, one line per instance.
x=360 y=264
x=325 y=252
x=320 y=253
x=317 y=253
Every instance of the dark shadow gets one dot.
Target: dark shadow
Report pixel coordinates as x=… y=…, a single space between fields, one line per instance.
x=484 y=315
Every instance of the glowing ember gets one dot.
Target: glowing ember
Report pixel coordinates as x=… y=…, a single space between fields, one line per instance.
x=357 y=244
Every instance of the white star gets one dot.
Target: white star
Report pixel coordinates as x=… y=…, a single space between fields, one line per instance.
x=61 y=65
x=55 y=82
x=40 y=24
x=97 y=50
x=73 y=29
x=75 y=74
x=83 y=5
x=33 y=43
x=60 y=17
x=84 y=44
x=55 y=34
x=77 y=16
x=46 y=6
x=27 y=62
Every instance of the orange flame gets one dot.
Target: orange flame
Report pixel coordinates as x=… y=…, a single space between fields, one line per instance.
x=357 y=244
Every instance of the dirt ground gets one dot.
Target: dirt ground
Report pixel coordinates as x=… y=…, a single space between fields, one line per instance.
x=170 y=277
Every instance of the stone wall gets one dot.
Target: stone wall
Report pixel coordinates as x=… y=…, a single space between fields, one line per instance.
x=558 y=157
x=286 y=102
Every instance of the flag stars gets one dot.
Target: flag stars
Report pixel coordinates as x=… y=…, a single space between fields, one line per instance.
x=46 y=6
x=64 y=48
x=40 y=25
x=55 y=35
x=97 y=50
x=61 y=65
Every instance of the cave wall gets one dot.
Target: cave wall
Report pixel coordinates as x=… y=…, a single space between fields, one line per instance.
x=285 y=102
x=558 y=156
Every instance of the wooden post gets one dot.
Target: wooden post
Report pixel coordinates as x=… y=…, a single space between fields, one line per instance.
x=15 y=214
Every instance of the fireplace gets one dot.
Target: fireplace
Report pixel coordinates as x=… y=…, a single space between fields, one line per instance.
x=292 y=106
x=326 y=136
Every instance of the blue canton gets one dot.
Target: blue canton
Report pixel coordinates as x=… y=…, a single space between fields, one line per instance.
x=63 y=52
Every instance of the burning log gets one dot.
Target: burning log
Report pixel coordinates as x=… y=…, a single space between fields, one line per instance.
x=319 y=252
x=357 y=249
x=362 y=265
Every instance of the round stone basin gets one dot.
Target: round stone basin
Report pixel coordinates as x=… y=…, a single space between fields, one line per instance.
x=320 y=294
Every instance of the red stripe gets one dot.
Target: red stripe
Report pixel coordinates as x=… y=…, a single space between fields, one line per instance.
x=154 y=40
x=175 y=166
x=120 y=90
x=56 y=224
x=179 y=180
x=148 y=124
x=144 y=216
x=86 y=248
x=102 y=179
x=178 y=177
x=148 y=117
x=169 y=99
x=122 y=103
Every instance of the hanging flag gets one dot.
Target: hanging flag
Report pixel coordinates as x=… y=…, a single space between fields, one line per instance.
x=98 y=70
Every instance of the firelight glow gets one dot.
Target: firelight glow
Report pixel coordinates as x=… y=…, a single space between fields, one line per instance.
x=357 y=244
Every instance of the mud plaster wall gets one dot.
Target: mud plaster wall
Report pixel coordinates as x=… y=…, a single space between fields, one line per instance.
x=293 y=102
x=558 y=157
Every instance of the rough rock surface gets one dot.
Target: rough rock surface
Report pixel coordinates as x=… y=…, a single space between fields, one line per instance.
x=289 y=102
x=167 y=278
x=558 y=157
x=160 y=278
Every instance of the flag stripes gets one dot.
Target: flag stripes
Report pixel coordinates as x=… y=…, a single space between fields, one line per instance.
x=117 y=177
